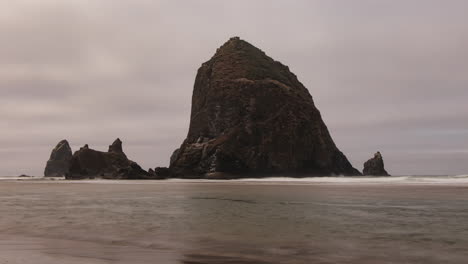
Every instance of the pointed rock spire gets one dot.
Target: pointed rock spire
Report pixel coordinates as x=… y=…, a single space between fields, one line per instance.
x=58 y=164
x=116 y=146
x=375 y=166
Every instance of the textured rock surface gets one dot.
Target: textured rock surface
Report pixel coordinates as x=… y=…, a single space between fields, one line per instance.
x=375 y=166
x=58 y=164
x=116 y=146
x=131 y=172
x=114 y=164
x=250 y=114
x=174 y=156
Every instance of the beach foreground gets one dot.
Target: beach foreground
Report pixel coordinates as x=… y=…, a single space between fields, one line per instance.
x=267 y=221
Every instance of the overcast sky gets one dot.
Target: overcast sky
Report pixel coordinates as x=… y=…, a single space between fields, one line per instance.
x=386 y=75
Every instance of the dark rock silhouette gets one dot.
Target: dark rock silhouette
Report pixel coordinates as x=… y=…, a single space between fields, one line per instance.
x=250 y=114
x=174 y=156
x=375 y=166
x=58 y=164
x=116 y=146
x=160 y=173
x=114 y=164
x=163 y=172
x=131 y=172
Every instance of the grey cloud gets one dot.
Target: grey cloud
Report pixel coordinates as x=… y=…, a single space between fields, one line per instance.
x=387 y=75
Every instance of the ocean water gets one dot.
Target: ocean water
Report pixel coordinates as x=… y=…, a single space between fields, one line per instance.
x=407 y=219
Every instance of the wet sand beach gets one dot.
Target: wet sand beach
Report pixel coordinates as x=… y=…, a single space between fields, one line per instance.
x=384 y=221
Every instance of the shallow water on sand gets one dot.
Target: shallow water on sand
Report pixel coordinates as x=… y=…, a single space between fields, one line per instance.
x=327 y=220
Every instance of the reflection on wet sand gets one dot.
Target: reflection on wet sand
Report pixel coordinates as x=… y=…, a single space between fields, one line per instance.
x=231 y=222
x=212 y=259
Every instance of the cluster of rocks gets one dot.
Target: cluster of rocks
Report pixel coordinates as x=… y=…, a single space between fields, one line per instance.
x=250 y=116
x=87 y=163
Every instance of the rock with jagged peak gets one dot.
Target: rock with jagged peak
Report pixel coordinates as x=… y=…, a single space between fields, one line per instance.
x=58 y=164
x=251 y=115
x=375 y=166
x=116 y=146
x=114 y=164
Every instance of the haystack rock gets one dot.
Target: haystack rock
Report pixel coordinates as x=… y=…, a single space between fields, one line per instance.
x=58 y=164
x=375 y=166
x=114 y=164
x=251 y=116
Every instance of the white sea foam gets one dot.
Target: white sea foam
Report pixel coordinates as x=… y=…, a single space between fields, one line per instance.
x=13 y=177
x=460 y=179
x=422 y=180
x=332 y=179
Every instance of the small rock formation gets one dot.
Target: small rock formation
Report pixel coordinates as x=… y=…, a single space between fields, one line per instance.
x=116 y=146
x=58 y=164
x=114 y=164
x=251 y=115
x=159 y=173
x=375 y=166
x=162 y=172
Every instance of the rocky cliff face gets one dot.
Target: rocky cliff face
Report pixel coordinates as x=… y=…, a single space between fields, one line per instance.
x=250 y=114
x=114 y=164
x=375 y=166
x=58 y=164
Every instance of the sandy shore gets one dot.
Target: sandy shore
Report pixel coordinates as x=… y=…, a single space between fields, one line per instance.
x=231 y=222
x=17 y=249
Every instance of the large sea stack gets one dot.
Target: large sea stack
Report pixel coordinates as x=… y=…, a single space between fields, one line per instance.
x=251 y=116
x=113 y=164
x=58 y=164
x=375 y=166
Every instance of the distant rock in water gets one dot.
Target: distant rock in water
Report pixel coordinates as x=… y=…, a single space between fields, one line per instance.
x=58 y=164
x=251 y=115
x=114 y=164
x=375 y=166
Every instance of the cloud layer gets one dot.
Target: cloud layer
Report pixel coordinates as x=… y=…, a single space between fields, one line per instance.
x=387 y=75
